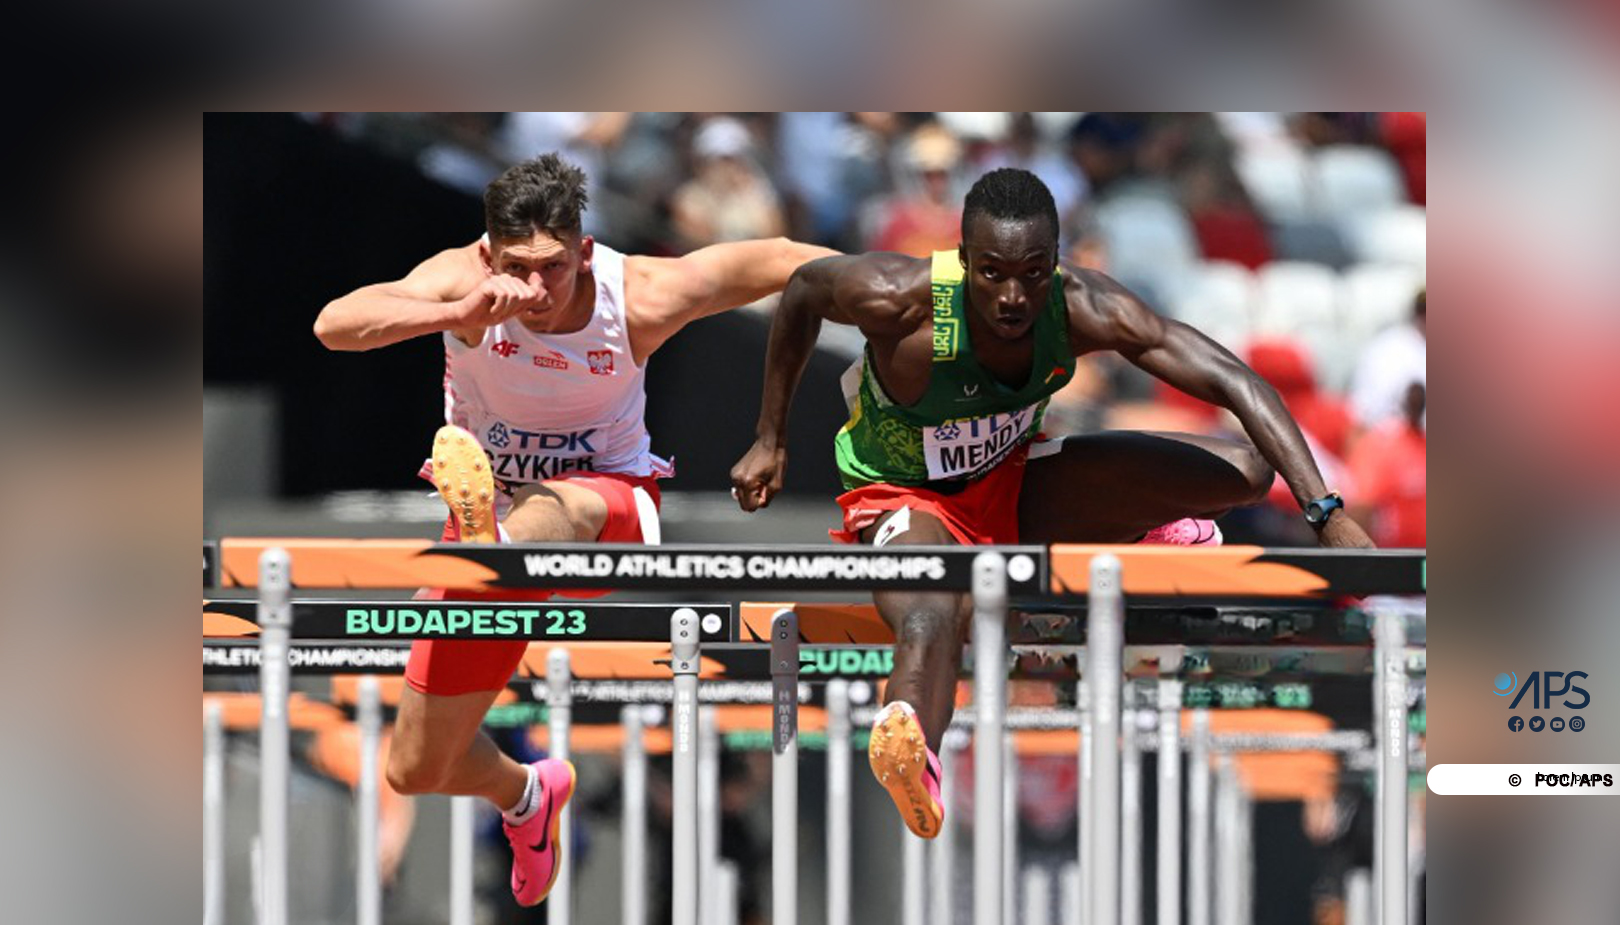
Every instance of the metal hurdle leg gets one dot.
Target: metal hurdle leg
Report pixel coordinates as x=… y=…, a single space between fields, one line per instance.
x=560 y=713
x=633 y=885
x=942 y=853
x=275 y=772
x=990 y=700
x=785 y=768
x=1198 y=834
x=463 y=823
x=838 y=840
x=1105 y=635
x=683 y=632
x=1130 y=811
x=1390 y=871
x=1169 y=866
x=213 y=814
x=368 y=879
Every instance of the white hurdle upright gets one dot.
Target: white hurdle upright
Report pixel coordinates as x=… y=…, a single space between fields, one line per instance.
x=990 y=702
x=785 y=768
x=708 y=817
x=463 y=826
x=1169 y=866
x=560 y=720
x=1074 y=907
x=942 y=851
x=214 y=814
x=1082 y=694
x=1198 y=824
x=275 y=761
x=1130 y=808
x=1009 y=838
x=838 y=799
x=633 y=888
x=1390 y=871
x=913 y=888
x=368 y=881
x=1228 y=865
x=1036 y=890
x=1105 y=644
x=1358 y=903
x=683 y=719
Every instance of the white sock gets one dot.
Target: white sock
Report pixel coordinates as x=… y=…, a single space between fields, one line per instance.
x=528 y=804
x=500 y=532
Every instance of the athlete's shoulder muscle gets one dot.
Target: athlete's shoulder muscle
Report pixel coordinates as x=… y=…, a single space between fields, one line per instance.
x=1104 y=315
x=885 y=294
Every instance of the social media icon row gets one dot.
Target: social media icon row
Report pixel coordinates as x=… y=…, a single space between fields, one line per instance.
x=1557 y=724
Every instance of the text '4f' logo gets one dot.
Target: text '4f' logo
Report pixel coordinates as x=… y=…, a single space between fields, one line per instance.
x=1541 y=686
x=601 y=362
x=503 y=348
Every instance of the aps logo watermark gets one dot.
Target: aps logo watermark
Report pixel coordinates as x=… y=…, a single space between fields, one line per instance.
x=1544 y=687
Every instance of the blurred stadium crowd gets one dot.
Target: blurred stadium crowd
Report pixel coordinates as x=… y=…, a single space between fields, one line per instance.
x=1297 y=240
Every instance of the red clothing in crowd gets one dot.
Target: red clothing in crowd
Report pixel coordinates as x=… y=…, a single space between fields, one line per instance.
x=1390 y=468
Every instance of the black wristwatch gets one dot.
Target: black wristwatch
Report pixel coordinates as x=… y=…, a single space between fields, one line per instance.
x=1316 y=512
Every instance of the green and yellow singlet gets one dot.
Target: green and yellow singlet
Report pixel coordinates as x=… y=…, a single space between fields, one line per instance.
x=966 y=422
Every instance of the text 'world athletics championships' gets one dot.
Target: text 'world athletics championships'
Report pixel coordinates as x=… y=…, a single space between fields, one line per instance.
x=759 y=567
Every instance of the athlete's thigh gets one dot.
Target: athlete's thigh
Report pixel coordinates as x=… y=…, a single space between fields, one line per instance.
x=1115 y=486
x=907 y=527
x=558 y=509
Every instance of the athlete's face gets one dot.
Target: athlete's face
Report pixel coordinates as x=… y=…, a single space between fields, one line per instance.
x=1009 y=264
x=550 y=263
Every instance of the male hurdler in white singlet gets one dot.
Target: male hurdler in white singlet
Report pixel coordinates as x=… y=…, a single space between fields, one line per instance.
x=547 y=335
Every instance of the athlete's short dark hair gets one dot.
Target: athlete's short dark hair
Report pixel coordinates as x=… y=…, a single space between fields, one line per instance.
x=1010 y=193
x=543 y=194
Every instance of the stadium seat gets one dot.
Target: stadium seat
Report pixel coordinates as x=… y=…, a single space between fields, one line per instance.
x=1310 y=240
x=1220 y=302
x=1296 y=298
x=1375 y=296
x=1276 y=179
x=1301 y=301
x=1150 y=244
x=1354 y=180
x=1399 y=235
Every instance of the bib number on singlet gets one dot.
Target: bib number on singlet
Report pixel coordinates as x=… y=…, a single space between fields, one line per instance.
x=971 y=446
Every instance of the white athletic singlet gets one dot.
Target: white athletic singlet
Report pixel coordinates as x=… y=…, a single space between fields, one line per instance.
x=544 y=405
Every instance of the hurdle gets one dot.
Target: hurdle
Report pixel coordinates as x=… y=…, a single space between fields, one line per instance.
x=1231 y=571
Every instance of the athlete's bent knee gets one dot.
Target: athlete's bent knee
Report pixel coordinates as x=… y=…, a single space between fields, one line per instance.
x=413 y=776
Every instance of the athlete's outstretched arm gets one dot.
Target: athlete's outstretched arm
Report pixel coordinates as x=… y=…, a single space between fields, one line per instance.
x=446 y=292
x=860 y=290
x=1105 y=315
x=666 y=294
